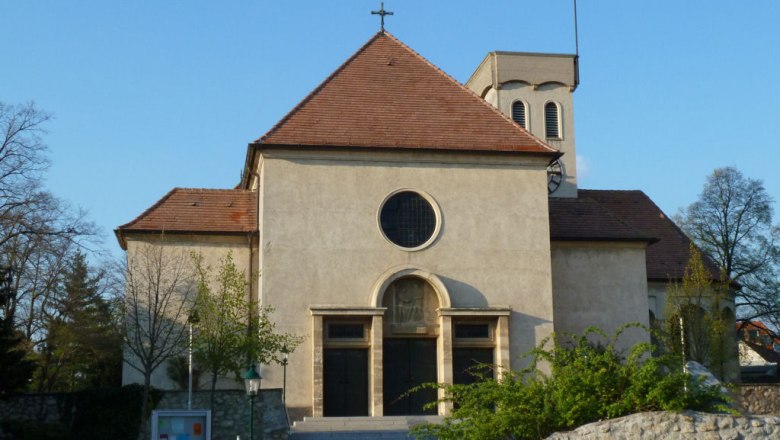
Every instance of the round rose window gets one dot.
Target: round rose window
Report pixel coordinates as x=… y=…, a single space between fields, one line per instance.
x=408 y=219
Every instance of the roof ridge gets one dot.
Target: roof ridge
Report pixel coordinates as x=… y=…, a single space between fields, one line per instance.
x=469 y=91
x=317 y=89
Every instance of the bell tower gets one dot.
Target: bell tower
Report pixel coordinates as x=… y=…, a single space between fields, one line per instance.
x=536 y=91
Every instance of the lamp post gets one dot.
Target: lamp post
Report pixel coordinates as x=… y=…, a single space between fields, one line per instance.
x=192 y=319
x=285 y=359
x=252 y=381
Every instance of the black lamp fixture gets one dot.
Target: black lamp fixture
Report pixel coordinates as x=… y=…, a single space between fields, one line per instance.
x=252 y=381
x=285 y=360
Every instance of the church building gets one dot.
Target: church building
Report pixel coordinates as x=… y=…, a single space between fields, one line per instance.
x=409 y=225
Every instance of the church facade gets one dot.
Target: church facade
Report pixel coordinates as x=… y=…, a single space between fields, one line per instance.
x=409 y=226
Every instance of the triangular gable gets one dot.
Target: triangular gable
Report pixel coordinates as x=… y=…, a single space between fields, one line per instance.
x=388 y=96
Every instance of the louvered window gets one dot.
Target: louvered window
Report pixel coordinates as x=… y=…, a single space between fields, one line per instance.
x=519 y=113
x=552 y=120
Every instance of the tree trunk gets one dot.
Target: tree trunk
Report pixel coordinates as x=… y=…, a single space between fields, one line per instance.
x=145 y=399
x=213 y=388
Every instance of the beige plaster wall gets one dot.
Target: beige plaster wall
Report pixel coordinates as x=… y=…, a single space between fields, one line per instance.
x=321 y=242
x=602 y=285
x=181 y=248
x=658 y=294
x=656 y=298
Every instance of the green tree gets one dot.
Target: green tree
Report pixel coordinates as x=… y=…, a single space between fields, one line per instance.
x=83 y=345
x=15 y=367
x=696 y=328
x=38 y=231
x=232 y=331
x=178 y=371
x=589 y=381
x=732 y=222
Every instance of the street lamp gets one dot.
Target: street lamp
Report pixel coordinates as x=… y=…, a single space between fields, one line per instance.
x=285 y=359
x=192 y=319
x=252 y=381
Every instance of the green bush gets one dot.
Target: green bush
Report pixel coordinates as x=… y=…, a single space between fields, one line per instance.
x=113 y=413
x=31 y=430
x=590 y=381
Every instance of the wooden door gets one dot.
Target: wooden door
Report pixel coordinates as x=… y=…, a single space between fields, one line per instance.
x=345 y=391
x=408 y=363
x=464 y=358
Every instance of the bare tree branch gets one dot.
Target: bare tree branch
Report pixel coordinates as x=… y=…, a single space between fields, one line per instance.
x=732 y=222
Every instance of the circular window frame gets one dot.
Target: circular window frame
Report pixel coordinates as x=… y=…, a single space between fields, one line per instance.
x=436 y=212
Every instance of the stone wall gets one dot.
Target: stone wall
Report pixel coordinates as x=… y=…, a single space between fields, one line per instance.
x=44 y=408
x=686 y=425
x=230 y=416
x=759 y=399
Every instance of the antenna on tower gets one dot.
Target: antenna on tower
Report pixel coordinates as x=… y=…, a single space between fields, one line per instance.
x=576 y=49
x=576 y=33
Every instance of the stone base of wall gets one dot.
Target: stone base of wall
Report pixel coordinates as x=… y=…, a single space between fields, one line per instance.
x=230 y=415
x=43 y=408
x=687 y=425
x=229 y=418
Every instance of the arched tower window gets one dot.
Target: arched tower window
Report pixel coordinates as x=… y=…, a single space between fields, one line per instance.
x=552 y=120
x=519 y=113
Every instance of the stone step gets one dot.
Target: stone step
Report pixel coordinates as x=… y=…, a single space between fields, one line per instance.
x=352 y=428
x=352 y=435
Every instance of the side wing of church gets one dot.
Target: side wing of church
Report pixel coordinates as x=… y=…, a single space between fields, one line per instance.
x=410 y=226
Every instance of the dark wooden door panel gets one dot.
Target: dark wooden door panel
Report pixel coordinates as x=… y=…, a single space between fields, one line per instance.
x=465 y=358
x=345 y=373
x=408 y=363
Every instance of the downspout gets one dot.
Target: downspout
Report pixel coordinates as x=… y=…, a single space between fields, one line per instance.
x=250 y=236
x=256 y=175
x=496 y=84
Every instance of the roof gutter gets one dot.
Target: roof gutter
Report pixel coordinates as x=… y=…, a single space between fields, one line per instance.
x=121 y=234
x=553 y=154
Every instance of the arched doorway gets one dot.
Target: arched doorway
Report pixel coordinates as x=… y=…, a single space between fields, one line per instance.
x=411 y=327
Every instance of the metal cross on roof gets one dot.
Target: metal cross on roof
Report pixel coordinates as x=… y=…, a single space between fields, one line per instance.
x=381 y=13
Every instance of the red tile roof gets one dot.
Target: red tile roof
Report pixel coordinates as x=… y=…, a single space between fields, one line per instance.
x=583 y=219
x=218 y=211
x=764 y=347
x=667 y=258
x=388 y=96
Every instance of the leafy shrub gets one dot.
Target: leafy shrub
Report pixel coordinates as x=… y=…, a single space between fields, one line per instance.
x=589 y=381
x=113 y=413
x=31 y=430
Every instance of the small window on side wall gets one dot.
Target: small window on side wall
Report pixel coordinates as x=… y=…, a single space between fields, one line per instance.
x=519 y=113
x=552 y=121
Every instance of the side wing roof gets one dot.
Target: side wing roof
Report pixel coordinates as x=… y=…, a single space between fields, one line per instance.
x=196 y=211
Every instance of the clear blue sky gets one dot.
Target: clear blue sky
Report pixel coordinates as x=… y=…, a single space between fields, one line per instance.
x=149 y=95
